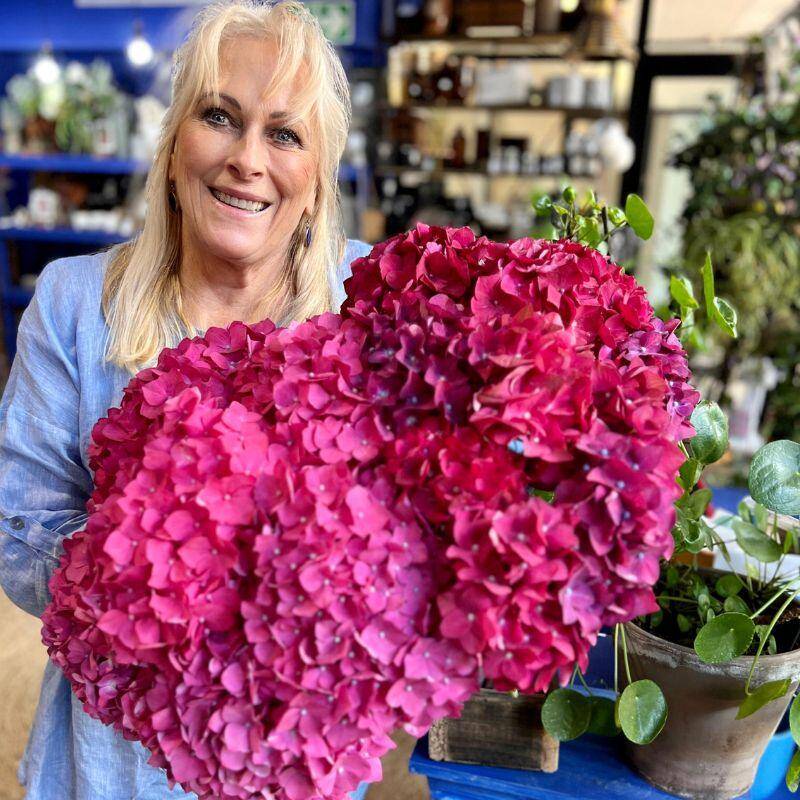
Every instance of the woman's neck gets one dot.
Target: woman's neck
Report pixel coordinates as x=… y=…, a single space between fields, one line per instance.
x=216 y=293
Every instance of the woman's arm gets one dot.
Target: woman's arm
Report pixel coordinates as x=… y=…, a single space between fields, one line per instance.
x=43 y=484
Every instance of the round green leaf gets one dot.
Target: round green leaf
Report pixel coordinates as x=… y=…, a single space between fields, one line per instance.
x=735 y=603
x=755 y=542
x=729 y=585
x=775 y=476
x=602 y=722
x=642 y=711
x=711 y=432
x=765 y=693
x=794 y=719
x=724 y=638
x=793 y=773
x=566 y=714
x=639 y=216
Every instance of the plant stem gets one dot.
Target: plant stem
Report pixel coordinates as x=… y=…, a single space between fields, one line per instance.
x=625 y=654
x=765 y=637
x=616 y=659
x=585 y=685
x=678 y=599
x=774 y=598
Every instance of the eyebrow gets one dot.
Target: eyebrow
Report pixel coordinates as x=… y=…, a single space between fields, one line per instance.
x=232 y=101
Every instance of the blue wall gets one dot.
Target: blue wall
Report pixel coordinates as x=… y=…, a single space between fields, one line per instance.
x=25 y=25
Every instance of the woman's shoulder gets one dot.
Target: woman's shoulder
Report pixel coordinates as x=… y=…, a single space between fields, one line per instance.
x=73 y=283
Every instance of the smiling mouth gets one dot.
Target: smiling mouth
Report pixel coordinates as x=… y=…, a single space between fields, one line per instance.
x=253 y=206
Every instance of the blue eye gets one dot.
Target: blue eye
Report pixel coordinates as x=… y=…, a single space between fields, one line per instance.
x=293 y=137
x=216 y=116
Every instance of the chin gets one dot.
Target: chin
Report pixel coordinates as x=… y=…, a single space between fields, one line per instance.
x=237 y=249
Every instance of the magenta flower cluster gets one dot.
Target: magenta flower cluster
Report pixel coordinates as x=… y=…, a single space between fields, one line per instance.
x=304 y=538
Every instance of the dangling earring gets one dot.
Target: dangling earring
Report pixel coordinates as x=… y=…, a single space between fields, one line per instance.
x=308 y=234
x=173 y=198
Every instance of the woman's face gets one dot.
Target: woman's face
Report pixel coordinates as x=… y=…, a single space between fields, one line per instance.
x=243 y=178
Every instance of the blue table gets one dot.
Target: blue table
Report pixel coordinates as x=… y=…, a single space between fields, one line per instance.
x=590 y=768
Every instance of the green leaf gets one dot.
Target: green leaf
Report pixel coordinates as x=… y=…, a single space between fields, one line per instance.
x=718 y=310
x=695 y=504
x=765 y=693
x=735 y=603
x=684 y=625
x=566 y=714
x=707 y=272
x=639 y=217
x=711 y=432
x=793 y=773
x=728 y=585
x=543 y=205
x=689 y=473
x=569 y=194
x=602 y=722
x=680 y=287
x=672 y=577
x=725 y=316
x=617 y=216
x=775 y=477
x=794 y=719
x=724 y=638
x=642 y=711
x=589 y=232
x=755 y=542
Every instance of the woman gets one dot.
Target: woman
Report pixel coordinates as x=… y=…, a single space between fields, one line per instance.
x=243 y=223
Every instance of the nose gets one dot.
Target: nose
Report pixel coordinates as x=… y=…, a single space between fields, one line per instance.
x=248 y=156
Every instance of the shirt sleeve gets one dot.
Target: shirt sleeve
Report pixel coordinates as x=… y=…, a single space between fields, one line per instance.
x=43 y=483
x=355 y=249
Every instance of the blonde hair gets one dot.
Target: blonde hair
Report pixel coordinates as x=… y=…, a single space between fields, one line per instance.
x=141 y=291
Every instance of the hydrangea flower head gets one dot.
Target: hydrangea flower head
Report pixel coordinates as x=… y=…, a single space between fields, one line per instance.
x=303 y=538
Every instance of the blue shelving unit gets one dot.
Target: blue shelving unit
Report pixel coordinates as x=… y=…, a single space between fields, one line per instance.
x=77 y=164
x=60 y=236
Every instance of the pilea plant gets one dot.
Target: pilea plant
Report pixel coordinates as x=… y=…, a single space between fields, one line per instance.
x=722 y=616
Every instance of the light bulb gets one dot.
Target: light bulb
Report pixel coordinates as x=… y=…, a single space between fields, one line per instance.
x=46 y=69
x=568 y=6
x=139 y=51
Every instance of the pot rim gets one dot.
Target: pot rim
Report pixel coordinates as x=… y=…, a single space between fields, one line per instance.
x=736 y=665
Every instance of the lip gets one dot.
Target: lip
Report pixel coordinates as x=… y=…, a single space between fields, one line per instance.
x=237 y=213
x=240 y=195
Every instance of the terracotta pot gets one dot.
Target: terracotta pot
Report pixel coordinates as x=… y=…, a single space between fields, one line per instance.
x=704 y=752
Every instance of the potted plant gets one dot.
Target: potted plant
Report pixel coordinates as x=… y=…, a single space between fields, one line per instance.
x=702 y=682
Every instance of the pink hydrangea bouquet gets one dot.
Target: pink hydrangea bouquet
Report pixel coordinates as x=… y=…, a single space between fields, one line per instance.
x=304 y=538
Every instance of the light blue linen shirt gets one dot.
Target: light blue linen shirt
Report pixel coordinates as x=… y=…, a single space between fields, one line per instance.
x=59 y=386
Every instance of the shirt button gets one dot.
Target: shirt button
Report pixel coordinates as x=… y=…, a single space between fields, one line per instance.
x=17 y=523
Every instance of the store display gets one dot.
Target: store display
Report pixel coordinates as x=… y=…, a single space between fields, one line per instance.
x=547 y=16
x=44 y=207
x=79 y=110
x=438 y=17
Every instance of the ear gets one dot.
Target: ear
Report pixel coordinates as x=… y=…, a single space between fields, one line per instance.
x=311 y=203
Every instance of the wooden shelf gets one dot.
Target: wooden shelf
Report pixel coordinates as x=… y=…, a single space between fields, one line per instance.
x=387 y=169
x=539 y=46
x=575 y=113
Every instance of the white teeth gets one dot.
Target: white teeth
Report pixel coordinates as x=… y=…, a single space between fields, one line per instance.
x=237 y=202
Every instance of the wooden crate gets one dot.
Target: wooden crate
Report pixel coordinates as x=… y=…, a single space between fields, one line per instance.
x=496 y=730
